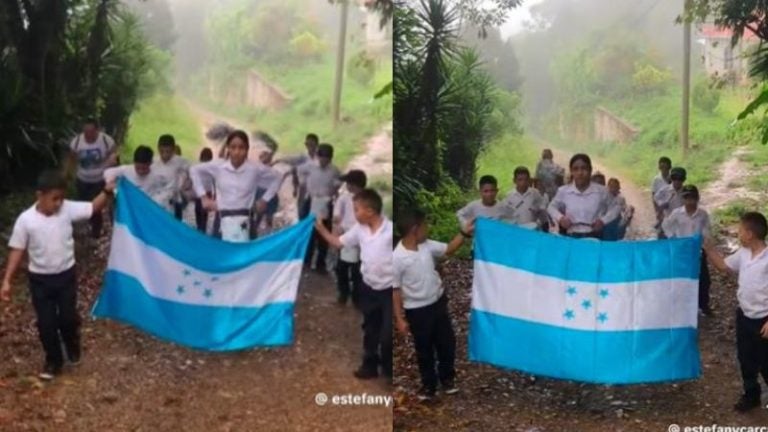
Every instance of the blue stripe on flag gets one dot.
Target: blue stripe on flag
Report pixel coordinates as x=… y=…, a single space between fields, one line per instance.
x=222 y=328
x=156 y=227
x=606 y=357
x=585 y=260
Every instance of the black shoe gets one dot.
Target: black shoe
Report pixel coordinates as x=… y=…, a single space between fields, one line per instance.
x=342 y=300
x=747 y=403
x=74 y=356
x=425 y=394
x=449 y=387
x=49 y=372
x=707 y=311
x=366 y=373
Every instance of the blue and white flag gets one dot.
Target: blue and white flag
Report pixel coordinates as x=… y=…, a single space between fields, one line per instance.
x=182 y=286
x=601 y=312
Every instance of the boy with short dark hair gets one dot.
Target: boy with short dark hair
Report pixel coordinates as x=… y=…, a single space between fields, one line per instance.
x=142 y=174
x=44 y=232
x=750 y=263
x=686 y=221
x=486 y=206
x=348 y=277
x=175 y=170
x=524 y=206
x=662 y=179
x=421 y=304
x=668 y=197
x=373 y=233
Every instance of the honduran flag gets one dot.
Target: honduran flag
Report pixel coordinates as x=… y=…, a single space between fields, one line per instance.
x=584 y=310
x=172 y=281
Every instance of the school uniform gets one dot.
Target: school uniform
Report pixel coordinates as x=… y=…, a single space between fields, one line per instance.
x=321 y=184
x=52 y=280
x=153 y=185
x=426 y=309
x=92 y=160
x=376 y=292
x=751 y=315
x=348 y=277
x=523 y=208
x=302 y=200
x=548 y=173
x=476 y=209
x=272 y=205
x=681 y=224
x=235 y=193
x=201 y=214
x=583 y=208
x=616 y=229
x=175 y=172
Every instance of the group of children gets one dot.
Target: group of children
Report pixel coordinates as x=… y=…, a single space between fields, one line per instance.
x=230 y=187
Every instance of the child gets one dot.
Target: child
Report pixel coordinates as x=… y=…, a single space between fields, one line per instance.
x=544 y=222
x=687 y=221
x=44 y=232
x=617 y=229
x=143 y=176
x=311 y=142
x=373 y=235
x=201 y=214
x=236 y=181
x=668 y=197
x=419 y=290
x=486 y=206
x=750 y=264
x=265 y=157
x=175 y=170
x=525 y=205
x=322 y=182
x=348 y=277
x=549 y=173
x=662 y=179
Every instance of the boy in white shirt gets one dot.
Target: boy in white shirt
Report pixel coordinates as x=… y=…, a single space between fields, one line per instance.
x=687 y=221
x=668 y=197
x=662 y=179
x=322 y=183
x=175 y=170
x=348 y=277
x=523 y=206
x=268 y=217
x=44 y=232
x=373 y=233
x=141 y=174
x=421 y=304
x=486 y=206
x=750 y=264
x=311 y=142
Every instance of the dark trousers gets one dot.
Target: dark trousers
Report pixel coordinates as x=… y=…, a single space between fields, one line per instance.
x=54 y=298
x=376 y=306
x=432 y=332
x=704 y=282
x=752 y=350
x=317 y=242
x=87 y=192
x=348 y=280
x=178 y=209
x=201 y=216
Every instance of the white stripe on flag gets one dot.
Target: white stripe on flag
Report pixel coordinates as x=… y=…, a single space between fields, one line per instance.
x=527 y=296
x=164 y=277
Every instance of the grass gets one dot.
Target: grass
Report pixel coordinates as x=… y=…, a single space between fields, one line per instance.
x=503 y=155
x=311 y=88
x=163 y=114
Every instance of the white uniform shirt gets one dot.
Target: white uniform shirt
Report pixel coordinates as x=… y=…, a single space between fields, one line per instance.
x=48 y=239
x=680 y=224
x=320 y=182
x=658 y=183
x=152 y=184
x=668 y=199
x=476 y=209
x=235 y=187
x=175 y=172
x=416 y=275
x=92 y=157
x=523 y=209
x=375 y=253
x=583 y=208
x=344 y=211
x=753 y=281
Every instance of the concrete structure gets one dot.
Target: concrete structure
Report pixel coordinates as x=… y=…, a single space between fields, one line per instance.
x=720 y=58
x=612 y=128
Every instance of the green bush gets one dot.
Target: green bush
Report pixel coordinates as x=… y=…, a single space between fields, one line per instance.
x=441 y=208
x=361 y=68
x=308 y=46
x=705 y=96
x=650 y=79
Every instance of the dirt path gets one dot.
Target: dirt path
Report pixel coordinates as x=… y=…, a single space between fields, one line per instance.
x=376 y=161
x=731 y=183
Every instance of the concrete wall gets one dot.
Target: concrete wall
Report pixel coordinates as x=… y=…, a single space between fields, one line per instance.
x=259 y=93
x=612 y=128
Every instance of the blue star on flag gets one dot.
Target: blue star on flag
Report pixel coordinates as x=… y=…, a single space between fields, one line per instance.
x=571 y=291
x=214 y=279
x=197 y=283
x=187 y=272
x=180 y=289
x=207 y=293
x=586 y=304
x=602 y=317
x=603 y=293
x=569 y=315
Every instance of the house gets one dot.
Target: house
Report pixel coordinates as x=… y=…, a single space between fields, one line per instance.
x=720 y=57
x=378 y=40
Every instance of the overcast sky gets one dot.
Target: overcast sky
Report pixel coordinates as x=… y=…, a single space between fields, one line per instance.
x=517 y=17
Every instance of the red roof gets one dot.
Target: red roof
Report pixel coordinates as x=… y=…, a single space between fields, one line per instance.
x=713 y=32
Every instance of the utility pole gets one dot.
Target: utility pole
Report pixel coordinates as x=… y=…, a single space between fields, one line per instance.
x=686 y=77
x=340 y=62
